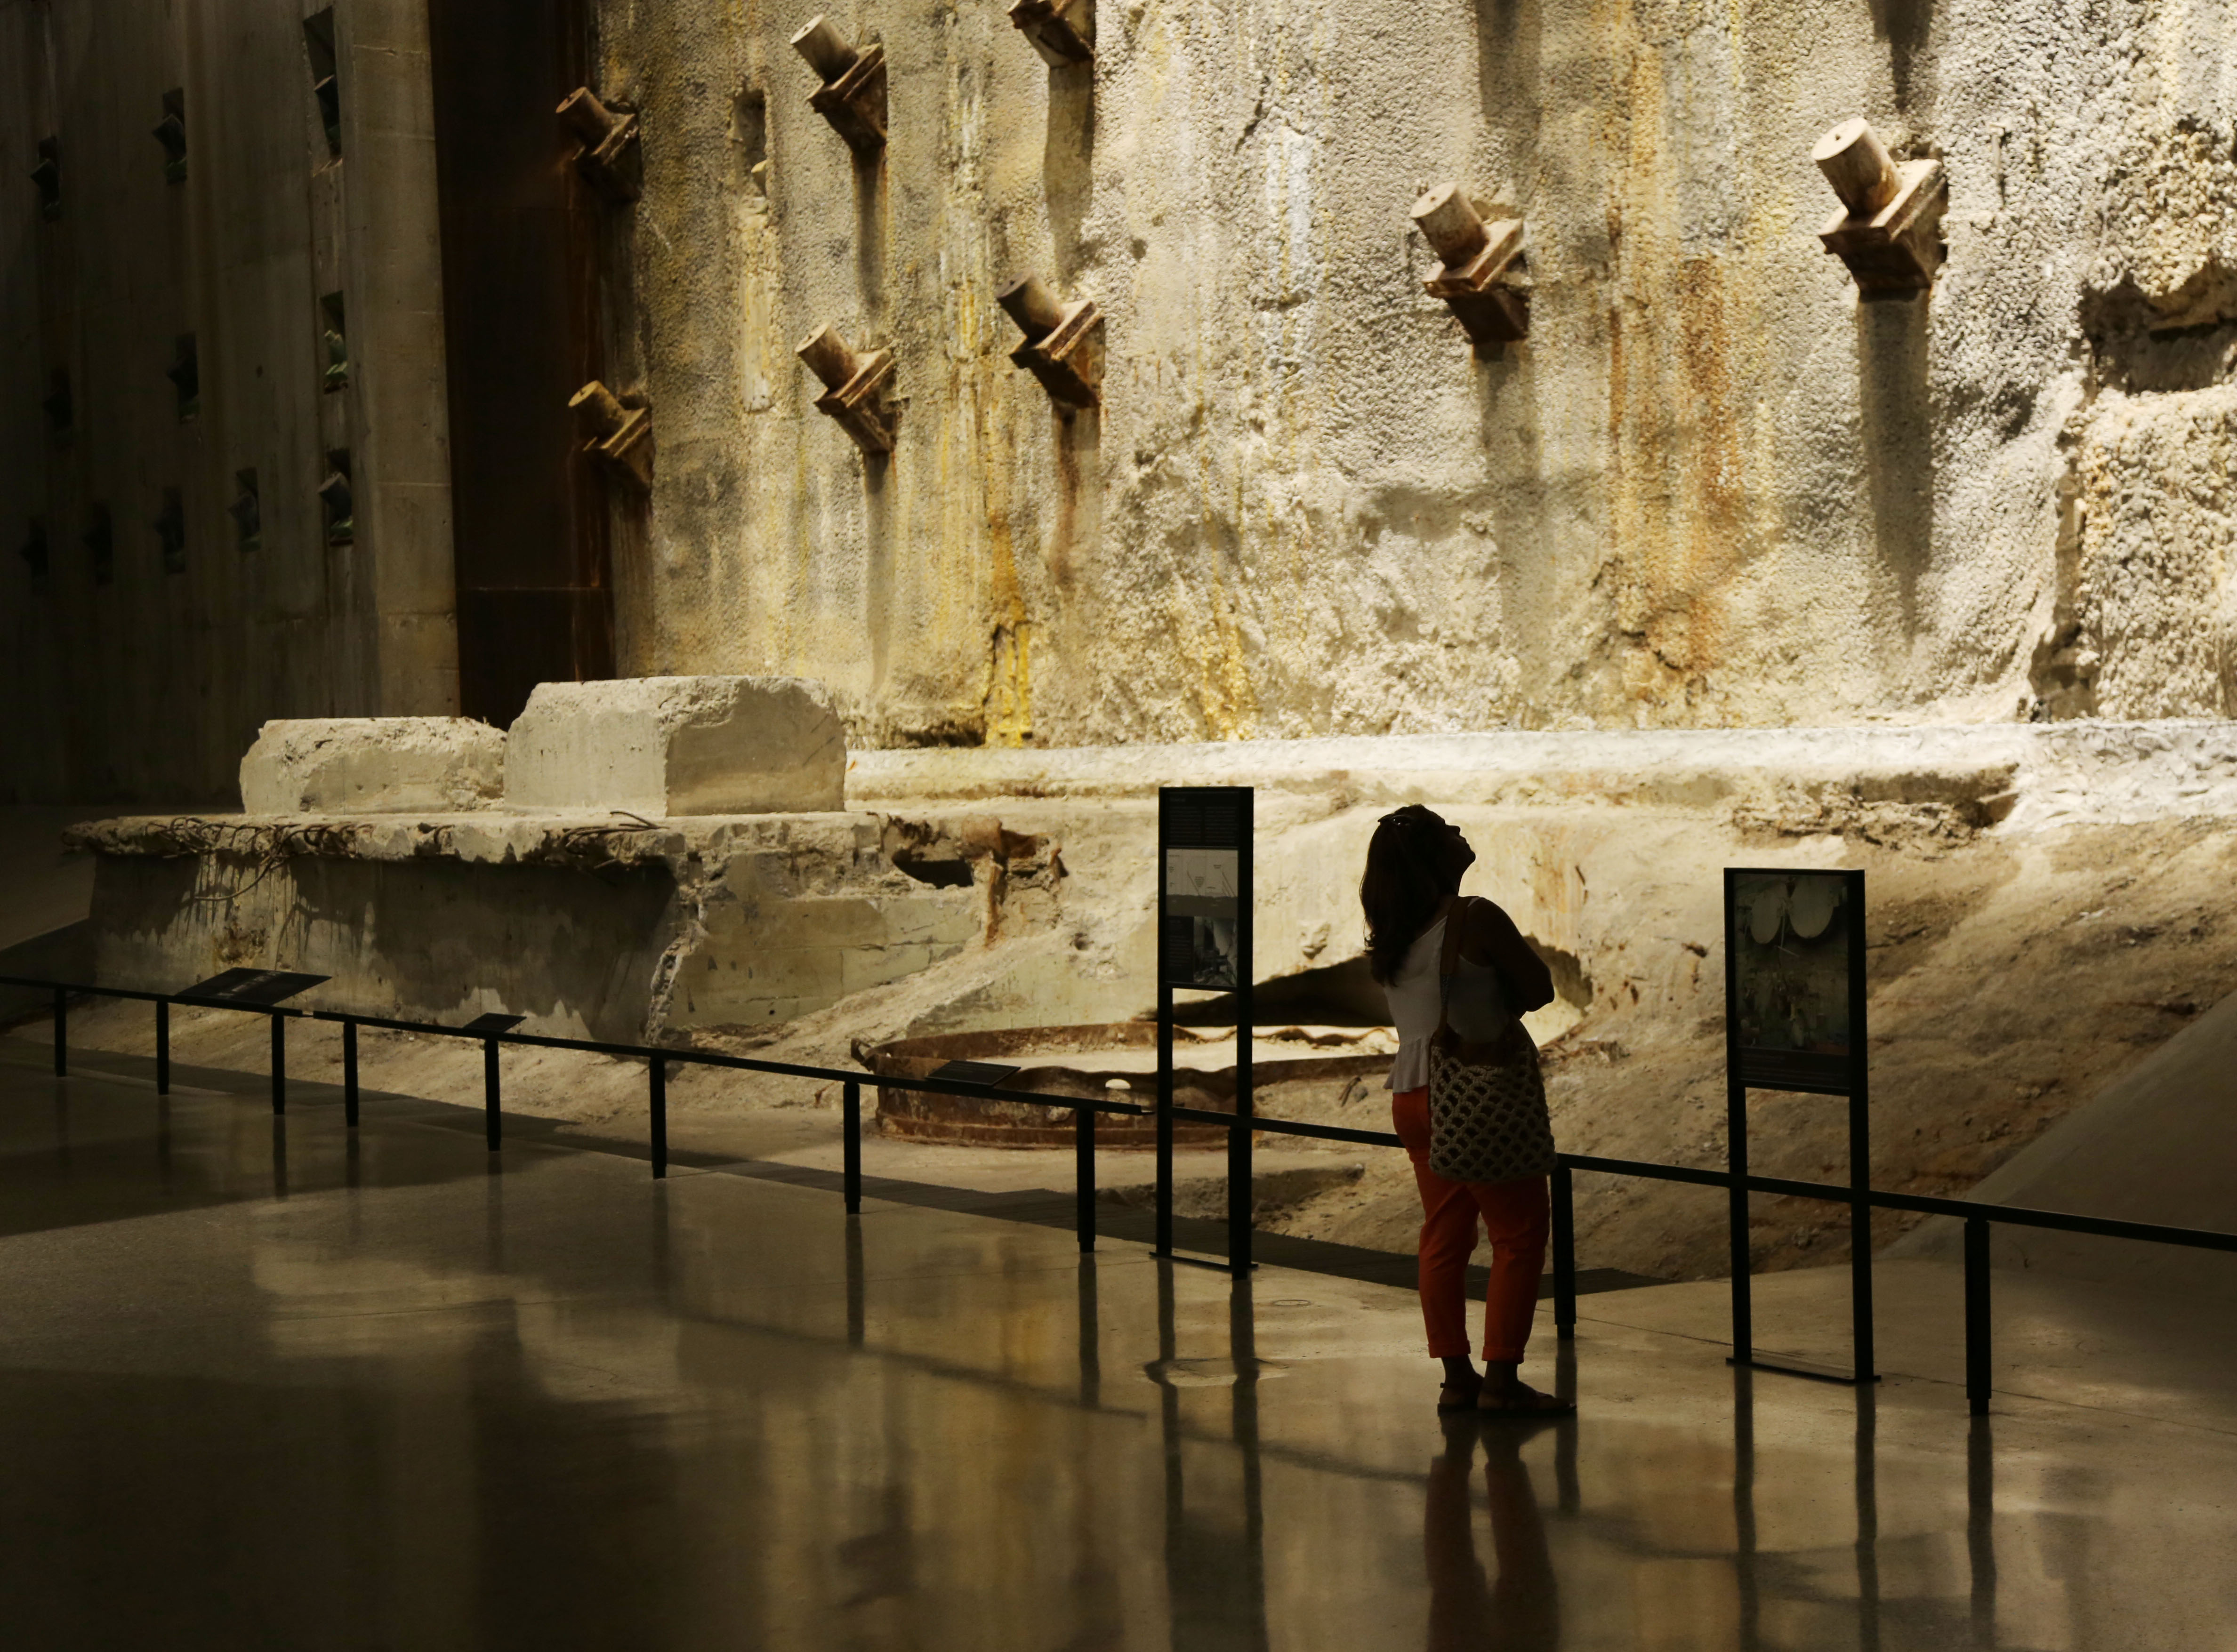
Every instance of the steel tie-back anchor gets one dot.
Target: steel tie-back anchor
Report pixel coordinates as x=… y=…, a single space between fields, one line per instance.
x=1475 y=278
x=1059 y=29
x=1063 y=342
x=1889 y=229
x=855 y=387
x=853 y=96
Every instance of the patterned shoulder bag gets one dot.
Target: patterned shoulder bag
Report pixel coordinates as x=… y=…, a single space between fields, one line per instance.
x=1487 y=1120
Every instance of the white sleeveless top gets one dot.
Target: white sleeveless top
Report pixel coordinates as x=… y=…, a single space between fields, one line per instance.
x=1478 y=1010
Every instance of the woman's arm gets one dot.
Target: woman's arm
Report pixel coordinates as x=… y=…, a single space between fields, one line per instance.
x=1489 y=936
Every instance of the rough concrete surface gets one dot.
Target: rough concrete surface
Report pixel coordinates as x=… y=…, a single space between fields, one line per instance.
x=373 y=765
x=2153 y=1146
x=2048 y=905
x=679 y=745
x=1710 y=488
x=592 y=925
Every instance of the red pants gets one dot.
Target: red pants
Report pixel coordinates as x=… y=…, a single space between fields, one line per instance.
x=1514 y=1214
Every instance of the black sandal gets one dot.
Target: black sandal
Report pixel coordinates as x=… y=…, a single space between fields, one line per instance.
x=1468 y=1404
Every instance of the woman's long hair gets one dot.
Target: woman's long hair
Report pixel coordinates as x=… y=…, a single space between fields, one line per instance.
x=1410 y=869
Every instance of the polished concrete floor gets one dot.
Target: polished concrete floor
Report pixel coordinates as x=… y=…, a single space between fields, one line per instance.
x=264 y=1387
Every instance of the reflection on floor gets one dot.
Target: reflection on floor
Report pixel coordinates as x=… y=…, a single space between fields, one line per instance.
x=262 y=1385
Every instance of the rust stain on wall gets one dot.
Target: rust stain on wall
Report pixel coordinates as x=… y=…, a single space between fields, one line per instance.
x=1008 y=704
x=1675 y=445
x=1677 y=486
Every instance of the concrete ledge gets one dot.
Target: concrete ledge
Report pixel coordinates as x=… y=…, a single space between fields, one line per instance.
x=585 y=924
x=2022 y=776
x=679 y=745
x=373 y=765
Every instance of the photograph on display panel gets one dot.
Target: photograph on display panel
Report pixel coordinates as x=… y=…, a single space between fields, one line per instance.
x=1204 y=877
x=1202 y=893
x=1796 y=940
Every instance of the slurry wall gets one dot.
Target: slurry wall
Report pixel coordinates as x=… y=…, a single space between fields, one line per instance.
x=1710 y=488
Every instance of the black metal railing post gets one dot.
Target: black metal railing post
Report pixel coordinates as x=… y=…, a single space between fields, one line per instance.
x=1565 y=1254
x=1083 y=1174
x=1736 y=1217
x=349 y=1074
x=656 y=1080
x=163 y=1046
x=492 y=1117
x=1977 y=1314
x=278 y=1062
x=61 y=1033
x=1242 y=1214
x=850 y=1124
x=1860 y=1235
x=1164 y=1246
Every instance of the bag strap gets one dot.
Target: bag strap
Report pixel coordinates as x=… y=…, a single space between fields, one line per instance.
x=1448 y=964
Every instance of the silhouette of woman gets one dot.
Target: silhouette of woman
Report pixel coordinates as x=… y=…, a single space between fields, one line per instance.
x=1411 y=892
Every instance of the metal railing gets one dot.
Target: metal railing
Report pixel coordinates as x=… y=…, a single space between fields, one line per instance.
x=1977 y=1215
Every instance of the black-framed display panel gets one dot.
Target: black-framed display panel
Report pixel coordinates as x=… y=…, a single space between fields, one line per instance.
x=1198 y=821
x=1803 y=1064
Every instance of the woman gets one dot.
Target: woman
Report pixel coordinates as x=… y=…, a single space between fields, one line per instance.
x=1411 y=892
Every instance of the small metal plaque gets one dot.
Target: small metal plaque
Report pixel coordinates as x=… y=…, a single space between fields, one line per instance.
x=494 y=1022
x=253 y=986
x=973 y=1072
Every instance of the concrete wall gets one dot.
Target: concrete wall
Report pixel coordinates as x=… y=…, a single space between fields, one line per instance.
x=149 y=684
x=1710 y=488
x=589 y=925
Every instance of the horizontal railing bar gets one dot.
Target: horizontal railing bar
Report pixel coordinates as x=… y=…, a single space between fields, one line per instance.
x=748 y=1064
x=595 y=1047
x=1926 y=1204
x=1661 y=1172
x=1327 y=1132
x=2101 y=1226
x=101 y=992
x=1290 y=1127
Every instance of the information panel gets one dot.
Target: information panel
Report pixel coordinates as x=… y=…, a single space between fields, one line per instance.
x=253 y=986
x=1203 y=838
x=1795 y=975
x=1204 y=945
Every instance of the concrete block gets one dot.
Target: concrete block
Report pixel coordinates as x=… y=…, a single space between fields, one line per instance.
x=373 y=765
x=664 y=746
